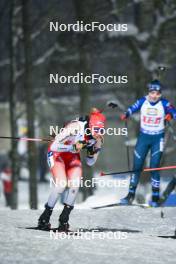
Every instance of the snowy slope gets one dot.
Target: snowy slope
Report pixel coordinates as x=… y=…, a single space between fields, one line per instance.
x=18 y=245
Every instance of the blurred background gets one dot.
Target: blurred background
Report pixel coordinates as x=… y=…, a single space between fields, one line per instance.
x=29 y=105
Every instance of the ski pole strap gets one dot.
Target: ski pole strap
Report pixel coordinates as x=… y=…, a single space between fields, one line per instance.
x=144 y=170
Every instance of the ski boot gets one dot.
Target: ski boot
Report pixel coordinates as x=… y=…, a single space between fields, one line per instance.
x=64 y=217
x=154 y=204
x=155 y=198
x=43 y=222
x=64 y=227
x=163 y=199
x=128 y=200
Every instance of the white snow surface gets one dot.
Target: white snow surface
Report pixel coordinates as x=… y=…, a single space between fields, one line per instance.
x=20 y=245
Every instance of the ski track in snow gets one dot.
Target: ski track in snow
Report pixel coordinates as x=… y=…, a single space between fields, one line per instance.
x=19 y=245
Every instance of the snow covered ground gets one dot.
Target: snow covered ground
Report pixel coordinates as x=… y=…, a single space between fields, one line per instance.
x=102 y=195
x=131 y=234
x=112 y=191
x=138 y=241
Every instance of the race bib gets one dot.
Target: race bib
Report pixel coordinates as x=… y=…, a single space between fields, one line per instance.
x=152 y=118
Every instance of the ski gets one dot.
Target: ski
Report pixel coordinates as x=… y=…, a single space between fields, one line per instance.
x=86 y=230
x=104 y=230
x=119 y=204
x=55 y=230
x=172 y=237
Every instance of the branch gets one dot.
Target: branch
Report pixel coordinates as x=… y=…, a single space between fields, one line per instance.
x=38 y=32
x=48 y=53
x=136 y=38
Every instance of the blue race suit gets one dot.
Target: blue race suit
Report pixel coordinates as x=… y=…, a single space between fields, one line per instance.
x=151 y=137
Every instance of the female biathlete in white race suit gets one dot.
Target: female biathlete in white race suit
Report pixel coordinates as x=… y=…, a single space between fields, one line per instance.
x=65 y=163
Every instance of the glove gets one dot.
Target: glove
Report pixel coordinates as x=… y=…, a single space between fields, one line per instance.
x=168 y=117
x=112 y=105
x=92 y=150
x=123 y=117
x=78 y=146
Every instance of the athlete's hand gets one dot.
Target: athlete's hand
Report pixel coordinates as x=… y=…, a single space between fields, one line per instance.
x=78 y=146
x=168 y=117
x=123 y=117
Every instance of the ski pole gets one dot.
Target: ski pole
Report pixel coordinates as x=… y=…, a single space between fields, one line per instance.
x=144 y=170
x=28 y=139
x=113 y=105
x=127 y=146
x=160 y=71
x=171 y=130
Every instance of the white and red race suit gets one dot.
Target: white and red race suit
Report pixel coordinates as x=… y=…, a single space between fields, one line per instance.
x=64 y=160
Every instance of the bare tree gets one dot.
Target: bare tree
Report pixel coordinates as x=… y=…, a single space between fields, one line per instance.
x=12 y=104
x=30 y=106
x=84 y=89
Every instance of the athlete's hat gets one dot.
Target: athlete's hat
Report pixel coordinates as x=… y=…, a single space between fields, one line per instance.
x=96 y=120
x=155 y=85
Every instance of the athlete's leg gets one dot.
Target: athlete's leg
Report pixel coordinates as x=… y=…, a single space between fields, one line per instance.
x=140 y=152
x=74 y=173
x=156 y=153
x=59 y=182
x=170 y=187
x=57 y=169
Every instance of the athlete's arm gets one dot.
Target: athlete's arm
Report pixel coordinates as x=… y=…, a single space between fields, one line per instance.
x=135 y=107
x=56 y=146
x=93 y=152
x=169 y=109
x=61 y=142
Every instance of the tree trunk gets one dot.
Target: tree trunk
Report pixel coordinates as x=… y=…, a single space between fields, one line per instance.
x=84 y=89
x=12 y=108
x=30 y=107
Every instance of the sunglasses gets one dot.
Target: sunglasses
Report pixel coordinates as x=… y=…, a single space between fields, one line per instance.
x=154 y=87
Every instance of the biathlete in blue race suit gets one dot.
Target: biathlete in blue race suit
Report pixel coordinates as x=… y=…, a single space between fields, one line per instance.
x=154 y=112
